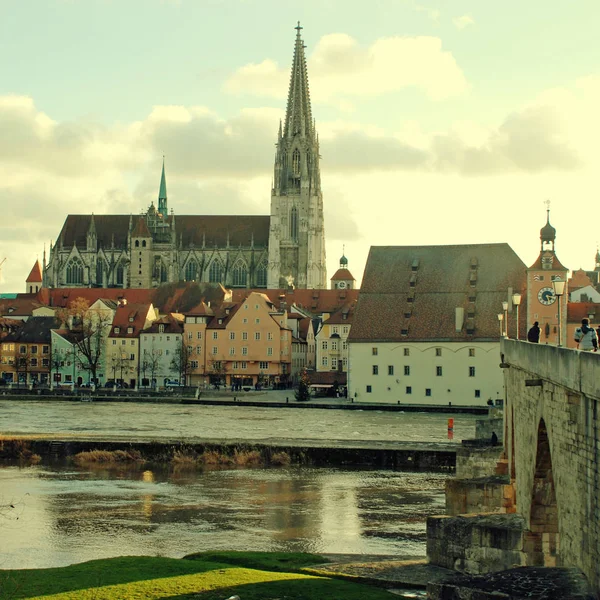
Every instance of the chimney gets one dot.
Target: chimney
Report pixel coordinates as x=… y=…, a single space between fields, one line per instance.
x=459 y=318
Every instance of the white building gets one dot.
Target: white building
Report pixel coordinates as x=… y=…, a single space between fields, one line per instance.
x=161 y=347
x=426 y=327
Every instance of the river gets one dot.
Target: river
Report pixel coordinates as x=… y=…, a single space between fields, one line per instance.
x=64 y=514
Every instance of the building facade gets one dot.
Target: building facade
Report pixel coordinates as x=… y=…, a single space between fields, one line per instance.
x=156 y=247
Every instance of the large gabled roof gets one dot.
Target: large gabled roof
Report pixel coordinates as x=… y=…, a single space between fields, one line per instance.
x=411 y=293
x=36 y=330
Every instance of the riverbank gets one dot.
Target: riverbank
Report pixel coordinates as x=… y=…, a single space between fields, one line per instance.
x=417 y=456
x=263 y=399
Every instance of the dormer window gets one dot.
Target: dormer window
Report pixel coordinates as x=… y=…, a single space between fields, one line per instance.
x=131 y=319
x=117 y=330
x=161 y=329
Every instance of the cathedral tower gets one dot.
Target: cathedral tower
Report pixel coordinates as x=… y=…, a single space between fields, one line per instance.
x=297 y=233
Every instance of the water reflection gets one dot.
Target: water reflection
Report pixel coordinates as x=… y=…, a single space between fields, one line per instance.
x=72 y=515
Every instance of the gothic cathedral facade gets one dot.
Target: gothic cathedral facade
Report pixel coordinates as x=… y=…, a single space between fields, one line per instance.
x=282 y=249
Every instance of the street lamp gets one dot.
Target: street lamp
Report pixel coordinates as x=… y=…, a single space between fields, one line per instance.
x=559 y=289
x=516 y=299
x=500 y=321
x=505 y=309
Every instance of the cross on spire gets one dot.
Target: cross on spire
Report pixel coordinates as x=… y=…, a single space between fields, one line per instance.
x=298 y=28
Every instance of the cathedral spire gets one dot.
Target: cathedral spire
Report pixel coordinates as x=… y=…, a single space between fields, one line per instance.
x=298 y=116
x=162 y=193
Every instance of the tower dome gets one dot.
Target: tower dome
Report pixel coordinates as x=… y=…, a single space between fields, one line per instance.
x=547 y=233
x=343 y=261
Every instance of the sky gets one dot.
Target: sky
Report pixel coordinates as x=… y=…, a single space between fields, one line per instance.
x=441 y=122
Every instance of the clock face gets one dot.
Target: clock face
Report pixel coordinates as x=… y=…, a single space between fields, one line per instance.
x=341 y=285
x=546 y=296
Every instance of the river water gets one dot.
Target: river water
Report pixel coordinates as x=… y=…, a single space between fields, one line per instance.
x=63 y=514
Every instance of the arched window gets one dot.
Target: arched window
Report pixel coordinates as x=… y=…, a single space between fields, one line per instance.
x=163 y=273
x=240 y=274
x=75 y=271
x=99 y=272
x=120 y=272
x=137 y=243
x=296 y=162
x=191 y=270
x=261 y=275
x=143 y=243
x=215 y=272
x=294 y=223
x=308 y=160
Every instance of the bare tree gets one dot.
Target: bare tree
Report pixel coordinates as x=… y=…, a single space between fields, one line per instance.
x=217 y=371
x=150 y=363
x=181 y=361
x=92 y=326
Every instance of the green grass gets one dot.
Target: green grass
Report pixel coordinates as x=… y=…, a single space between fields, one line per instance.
x=204 y=576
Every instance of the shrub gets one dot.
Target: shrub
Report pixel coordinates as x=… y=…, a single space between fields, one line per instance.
x=281 y=459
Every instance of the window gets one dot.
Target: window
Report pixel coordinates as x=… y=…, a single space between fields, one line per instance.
x=245 y=350
x=294 y=211
x=375 y=369
x=75 y=271
x=161 y=329
x=261 y=275
x=438 y=351
x=369 y=388
x=438 y=371
x=408 y=389
x=215 y=350
x=428 y=391
x=333 y=345
x=406 y=370
x=244 y=364
x=374 y=351
x=214 y=273
x=130 y=330
x=263 y=364
x=194 y=364
x=123 y=342
x=33 y=349
x=34 y=362
x=240 y=274
x=244 y=335
x=323 y=345
x=270 y=335
x=45 y=362
x=132 y=357
x=198 y=349
x=335 y=329
x=477 y=393
x=114 y=342
x=232 y=335
x=334 y=364
x=257 y=321
x=215 y=335
x=231 y=351
x=198 y=335
x=345 y=363
x=344 y=345
x=324 y=361
x=190 y=349
x=390 y=369
x=471 y=351
x=257 y=335
x=168 y=338
x=406 y=351
x=471 y=371
x=117 y=330
x=345 y=329
x=269 y=351
x=45 y=349
x=190 y=335
x=245 y=321
x=191 y=270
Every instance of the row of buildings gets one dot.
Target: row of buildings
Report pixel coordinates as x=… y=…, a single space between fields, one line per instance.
x=424 y=328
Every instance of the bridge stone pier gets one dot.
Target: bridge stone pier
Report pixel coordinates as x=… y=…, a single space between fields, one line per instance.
x=552 y=442
x=539 y=505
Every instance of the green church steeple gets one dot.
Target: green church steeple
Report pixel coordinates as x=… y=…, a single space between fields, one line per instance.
x=162 y=193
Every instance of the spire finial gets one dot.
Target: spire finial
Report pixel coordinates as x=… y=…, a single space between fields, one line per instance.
x=298 y=28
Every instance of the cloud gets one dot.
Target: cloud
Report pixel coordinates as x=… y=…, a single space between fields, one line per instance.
x=340 y=67
x=463 y=21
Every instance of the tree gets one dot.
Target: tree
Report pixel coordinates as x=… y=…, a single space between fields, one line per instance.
x=303 y=392
x=91 y=325
x=217 y=371
x=150 y=363
x=181 y=361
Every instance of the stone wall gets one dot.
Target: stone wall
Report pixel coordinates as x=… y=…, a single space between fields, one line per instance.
x=474 y=461
x=483 y=495
x=476 y=543
x=553 y=446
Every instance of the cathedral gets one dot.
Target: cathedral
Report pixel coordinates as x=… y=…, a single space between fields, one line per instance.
x=143 y=251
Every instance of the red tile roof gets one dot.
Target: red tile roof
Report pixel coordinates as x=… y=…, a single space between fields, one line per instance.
x=578 y=280
x=36 y=273
x=342 y=274
x=410 y=293
x=556 y=264
x=141 y=229
x=127 y=316
x=581 y=310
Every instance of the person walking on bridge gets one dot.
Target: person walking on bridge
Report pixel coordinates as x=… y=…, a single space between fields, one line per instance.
x=586 y=337
x=533 y=335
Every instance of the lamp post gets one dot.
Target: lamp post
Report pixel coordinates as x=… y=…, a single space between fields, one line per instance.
x=516 y=299
x=501 y=322
x=505 y=309
x=559 y=289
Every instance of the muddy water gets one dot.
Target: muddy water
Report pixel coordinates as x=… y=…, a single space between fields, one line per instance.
x=63 y=515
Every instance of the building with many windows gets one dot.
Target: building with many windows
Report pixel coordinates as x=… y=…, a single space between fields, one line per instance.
x=426 y=327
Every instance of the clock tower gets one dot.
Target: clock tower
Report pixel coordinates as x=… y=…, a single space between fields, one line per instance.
x=542 y=304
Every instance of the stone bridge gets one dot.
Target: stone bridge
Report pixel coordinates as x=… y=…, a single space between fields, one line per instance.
x=552 y=442
x=543 y=489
